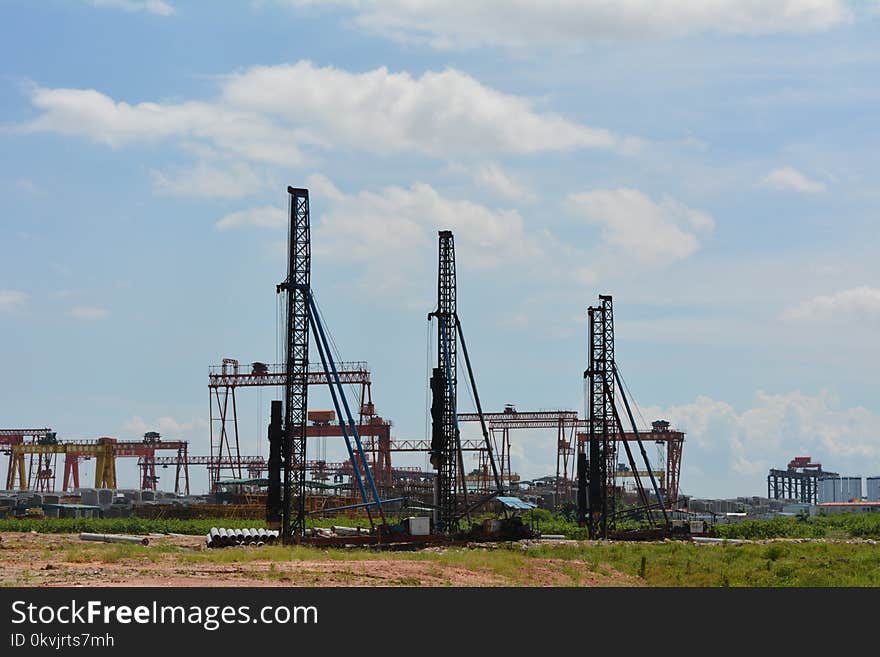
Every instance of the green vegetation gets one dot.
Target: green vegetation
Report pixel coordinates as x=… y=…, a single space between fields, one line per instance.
x=775 y=564
x=123 y=525
x=673 y=563
x=842 y=525
x=194 y=526
x=845 y=525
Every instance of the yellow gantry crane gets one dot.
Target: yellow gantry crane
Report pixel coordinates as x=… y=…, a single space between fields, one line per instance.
x=102 y=451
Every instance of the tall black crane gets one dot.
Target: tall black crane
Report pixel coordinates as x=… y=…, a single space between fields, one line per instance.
x=446 y=455
x=297 y=287
x=301 y=316
x=597 y=473
x=601 y=410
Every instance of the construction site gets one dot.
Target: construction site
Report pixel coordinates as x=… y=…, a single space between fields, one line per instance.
x=470 y=491
x=615 y=480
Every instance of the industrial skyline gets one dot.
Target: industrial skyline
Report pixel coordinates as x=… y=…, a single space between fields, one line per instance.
x=715 y=175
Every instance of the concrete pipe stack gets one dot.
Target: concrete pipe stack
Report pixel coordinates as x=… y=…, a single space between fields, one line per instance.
x=221 y=537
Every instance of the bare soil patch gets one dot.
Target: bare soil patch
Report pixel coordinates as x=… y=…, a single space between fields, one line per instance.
x=28 y=559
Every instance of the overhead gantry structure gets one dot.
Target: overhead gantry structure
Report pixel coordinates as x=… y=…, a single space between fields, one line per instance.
x=565 y=422
x=224 y=379
x=9 y=438
x=40 y=474
x=571 y=439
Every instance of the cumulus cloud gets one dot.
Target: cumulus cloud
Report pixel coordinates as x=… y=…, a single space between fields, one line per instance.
x=790 y=179
x=158 y=7
x=389 y=236
x=774 y=429
x=860 y=304
x=271 y=114
x=651 y=232
x=438 y=113
x=267 y=216
x=89 y=312
x=459 y=24
x=11 y=300
x=395 y=230
x=94 y=115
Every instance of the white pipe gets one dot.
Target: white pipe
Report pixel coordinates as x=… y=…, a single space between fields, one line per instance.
x=114 y=538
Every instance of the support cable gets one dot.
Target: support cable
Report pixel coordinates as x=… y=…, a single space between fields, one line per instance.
x=473 y=386
x=348 y=414
x=641 y=445
x=330 y=384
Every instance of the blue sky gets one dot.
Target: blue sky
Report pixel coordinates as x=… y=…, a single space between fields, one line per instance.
x=713 y=165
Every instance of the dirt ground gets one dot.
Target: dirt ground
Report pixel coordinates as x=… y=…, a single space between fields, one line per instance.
x=29 y=559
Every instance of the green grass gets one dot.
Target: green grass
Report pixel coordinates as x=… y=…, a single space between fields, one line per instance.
x=775 y=564
x=843 y=525
x=123 y=525
x=836 y=526
x=109 y=553
x=652 y=564
x=193 y=526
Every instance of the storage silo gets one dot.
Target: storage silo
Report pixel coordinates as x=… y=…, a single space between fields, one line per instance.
x=850 y=489
x=873 y=489
x=829 y=489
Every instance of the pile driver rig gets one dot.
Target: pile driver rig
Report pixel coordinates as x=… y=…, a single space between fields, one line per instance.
x=446 y=452
x=597 y=493
x=287 y=440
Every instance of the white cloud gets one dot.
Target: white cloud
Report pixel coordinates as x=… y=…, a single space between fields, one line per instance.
x=439 y=113
x=11 y=300
x=457 y=24
x=89 y=312
x=493 y=177
x=648 y=231
x=788 y=178
x=389 y=237
x=267 y=216
x=860 y=304
x=158 y=7
x=235 y=180
x=745 y=445
x=399 y=224
x=91 y=114
x=281 y=115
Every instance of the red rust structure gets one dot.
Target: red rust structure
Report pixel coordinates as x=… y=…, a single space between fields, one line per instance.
x=224 y=379
x=571 y=438
x=144 y=451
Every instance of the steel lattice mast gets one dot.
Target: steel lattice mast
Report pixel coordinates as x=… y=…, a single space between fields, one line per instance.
x=297 y=288
x=602 y=455
x=444 y=382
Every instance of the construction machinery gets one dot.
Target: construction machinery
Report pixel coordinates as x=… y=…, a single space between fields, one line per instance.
x=446 y=450
x=301 y=316
x=225 y=379
x=598 y=465
x=45 y=448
